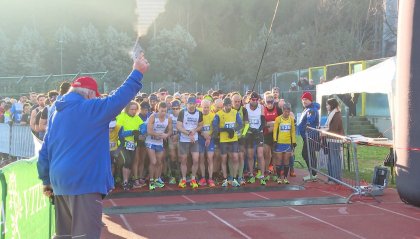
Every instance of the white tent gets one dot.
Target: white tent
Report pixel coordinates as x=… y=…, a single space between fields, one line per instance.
x=376 y=79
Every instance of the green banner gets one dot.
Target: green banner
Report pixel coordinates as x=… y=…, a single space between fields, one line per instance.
x=25 y=211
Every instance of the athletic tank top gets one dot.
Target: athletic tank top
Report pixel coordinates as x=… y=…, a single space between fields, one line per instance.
x=285 y=130
x=227 y=121
x=270 y=116
x=254 y=116
x=207 y=123
x=158 y=127
x=190 y=122
x=113 y=138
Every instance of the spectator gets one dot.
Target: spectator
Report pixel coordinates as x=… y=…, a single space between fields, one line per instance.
x=293 y=87
x=34 y=121
x=7 y=116
x=334 y=125
x=2 y=104
x=17 y=109
x=309 y=118
x=303 y=83
x=74 y=162
x=26 y=116
x=311 y=85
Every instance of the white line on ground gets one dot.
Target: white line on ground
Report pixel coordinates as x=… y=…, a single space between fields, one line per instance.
x=261 y=196
x=174 y=223
x=335 y=194
x=122 y=217
x=332 y=225
x=390 y=211
x=189 y=199
x=230 y=225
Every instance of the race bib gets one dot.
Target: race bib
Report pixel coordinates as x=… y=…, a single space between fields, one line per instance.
x=229 y=125
x=254 y=121
x=155 y=138
x=130 y=145
x=206 y=128
x=112 y=145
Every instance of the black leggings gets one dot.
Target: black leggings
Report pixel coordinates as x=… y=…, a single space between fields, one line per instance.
x=306 y=158
x=128 y=156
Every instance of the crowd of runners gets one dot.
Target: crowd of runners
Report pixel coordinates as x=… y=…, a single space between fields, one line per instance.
x=202 y=139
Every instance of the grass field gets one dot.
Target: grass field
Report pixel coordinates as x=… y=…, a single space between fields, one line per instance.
x=368 y=157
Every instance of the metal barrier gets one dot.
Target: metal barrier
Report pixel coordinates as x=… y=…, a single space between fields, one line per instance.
x=17 y=141
x=334 y=157
x=5 y=138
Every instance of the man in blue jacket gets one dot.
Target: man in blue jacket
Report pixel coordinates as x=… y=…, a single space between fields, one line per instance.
x=309 y=118
x=74 y=162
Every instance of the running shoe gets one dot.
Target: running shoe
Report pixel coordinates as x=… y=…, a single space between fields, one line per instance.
x=259 y=174
x=193 y=183
x=292 y=173
x=182 y=183
x=235 y=183
x=126 y=187
x=152 y=186
x=267 y=178
x=271 y=168
x=225 y=183
x=159 y=183
x=172 y=180
x=211 y=183
x=241 y=181
x=159 y=179
x=280 y=181
x=202 y=182
x=274 y=178
x=251 y=179
x=285 y=181
x=137 y=184
x=262 y=181
x=230 y=179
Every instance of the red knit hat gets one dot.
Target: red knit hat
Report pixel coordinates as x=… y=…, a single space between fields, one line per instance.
x=306 y=95
x=86 y=82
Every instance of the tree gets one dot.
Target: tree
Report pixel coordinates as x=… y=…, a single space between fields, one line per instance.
x=5 y=55
x=29 y=51
x=117 y=58
x=64 y=40
x=91 y=59
x=170 y=53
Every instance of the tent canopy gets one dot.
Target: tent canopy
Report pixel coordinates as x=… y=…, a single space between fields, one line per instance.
x=379 y=78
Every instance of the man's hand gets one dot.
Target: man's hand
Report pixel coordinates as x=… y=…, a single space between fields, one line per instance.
x=141 y=64
x=48 y=191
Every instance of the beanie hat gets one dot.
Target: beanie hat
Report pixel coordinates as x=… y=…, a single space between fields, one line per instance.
x=87 y=83
x=306 y=95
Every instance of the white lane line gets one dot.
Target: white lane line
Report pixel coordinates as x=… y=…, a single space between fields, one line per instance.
x=189 y=199
x=390 y=211
x=335 y=194
x=261 y=196
x=329 y=224
x=230 y=225
x=122 y=217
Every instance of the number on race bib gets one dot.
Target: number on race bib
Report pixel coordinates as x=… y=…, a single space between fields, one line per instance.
x=130 y=146
x=206 y=128
x=112 y=145
x=229 y=125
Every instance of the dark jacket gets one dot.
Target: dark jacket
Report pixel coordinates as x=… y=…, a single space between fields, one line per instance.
x=336 y=124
